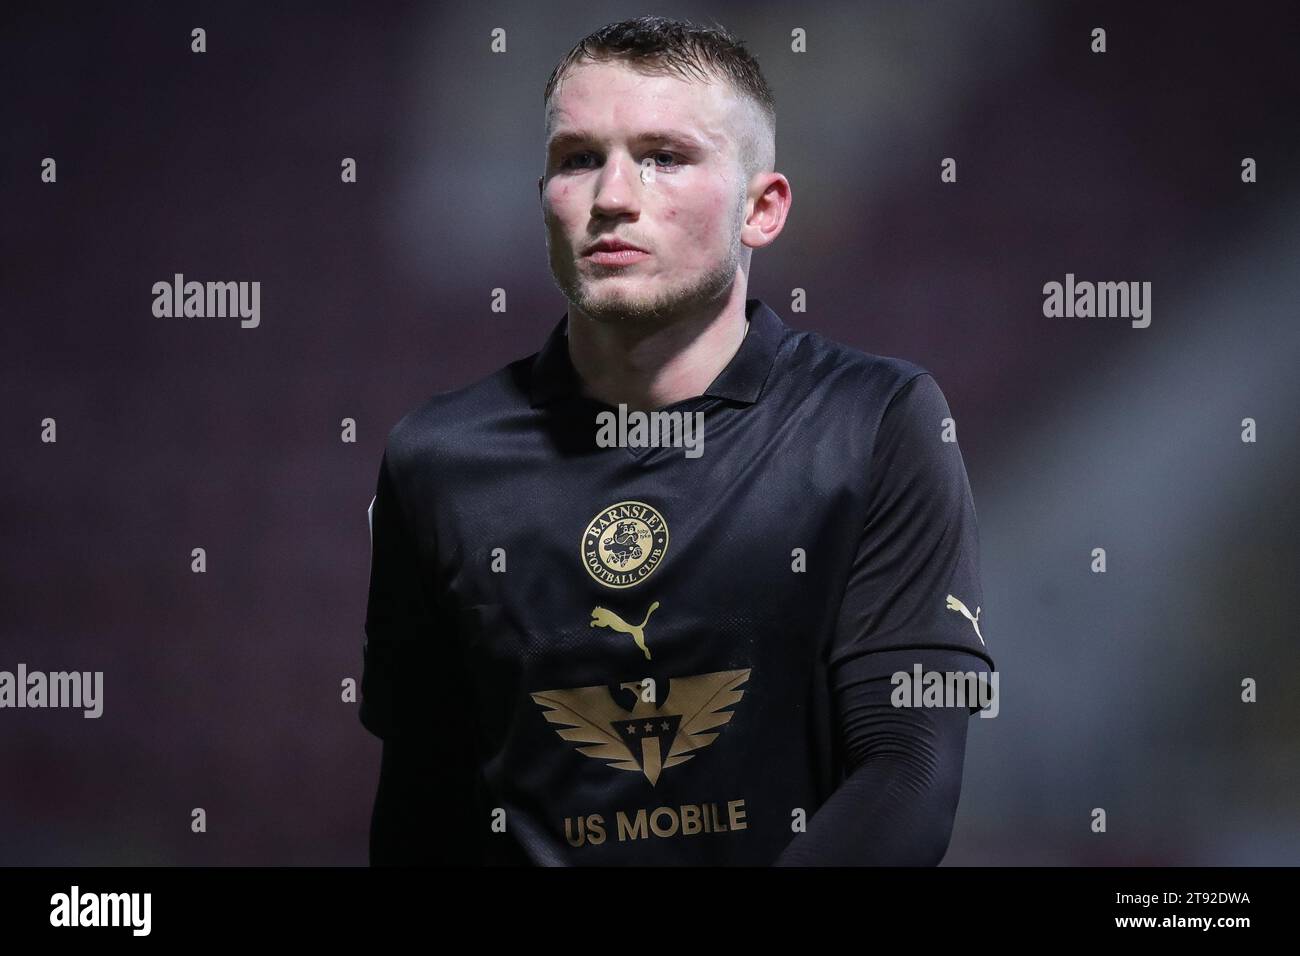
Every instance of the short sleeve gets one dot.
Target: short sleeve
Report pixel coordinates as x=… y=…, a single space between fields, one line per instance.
x=398 y=622
x=915 y=579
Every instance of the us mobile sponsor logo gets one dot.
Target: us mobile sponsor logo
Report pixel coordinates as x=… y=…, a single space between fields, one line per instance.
x=630 y=729
x=687 y=819
x=74 y=689
x=102 y=909
x=181 y=299
x=1129 y=300
x=651 y=430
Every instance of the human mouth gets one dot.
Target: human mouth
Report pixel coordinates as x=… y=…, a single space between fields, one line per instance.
x=617 y=257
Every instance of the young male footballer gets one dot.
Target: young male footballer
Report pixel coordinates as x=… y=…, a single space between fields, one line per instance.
x=588 y=651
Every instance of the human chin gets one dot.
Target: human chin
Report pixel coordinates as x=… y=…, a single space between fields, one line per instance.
x=618 y=301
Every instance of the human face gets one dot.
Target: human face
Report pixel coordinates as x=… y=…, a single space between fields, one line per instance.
x=651 y=161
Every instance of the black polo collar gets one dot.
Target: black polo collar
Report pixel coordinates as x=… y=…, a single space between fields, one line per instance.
x=554 y=376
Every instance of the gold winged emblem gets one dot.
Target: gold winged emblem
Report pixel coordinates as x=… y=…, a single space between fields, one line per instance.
x=647 y=738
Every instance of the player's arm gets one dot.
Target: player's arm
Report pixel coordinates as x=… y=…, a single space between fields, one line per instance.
x=896 y=805
x=412 y=700
x=902 y=765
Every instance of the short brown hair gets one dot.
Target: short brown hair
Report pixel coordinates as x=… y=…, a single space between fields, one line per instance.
x=663 y=45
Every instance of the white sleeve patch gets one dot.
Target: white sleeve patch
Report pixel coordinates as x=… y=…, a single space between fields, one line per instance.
x=370 y=521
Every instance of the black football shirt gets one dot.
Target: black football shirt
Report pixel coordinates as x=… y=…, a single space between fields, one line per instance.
x=627 y=655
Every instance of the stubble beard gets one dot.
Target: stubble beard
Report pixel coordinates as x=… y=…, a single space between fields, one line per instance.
x=610 y=306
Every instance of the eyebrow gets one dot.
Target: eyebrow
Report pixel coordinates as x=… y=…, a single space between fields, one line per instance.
x=578 y=137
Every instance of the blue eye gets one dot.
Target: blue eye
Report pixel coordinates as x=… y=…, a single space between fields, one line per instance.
x=568 y=160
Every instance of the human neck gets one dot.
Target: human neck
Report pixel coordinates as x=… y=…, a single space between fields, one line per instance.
x=649 y=367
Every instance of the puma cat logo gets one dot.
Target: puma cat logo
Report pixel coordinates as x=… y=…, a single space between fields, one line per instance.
x=603 y=617
x=955 y=605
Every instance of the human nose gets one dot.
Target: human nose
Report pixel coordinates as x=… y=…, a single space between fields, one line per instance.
x=618 y=188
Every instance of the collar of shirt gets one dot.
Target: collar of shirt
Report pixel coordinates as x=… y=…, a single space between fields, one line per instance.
x=553 y=374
